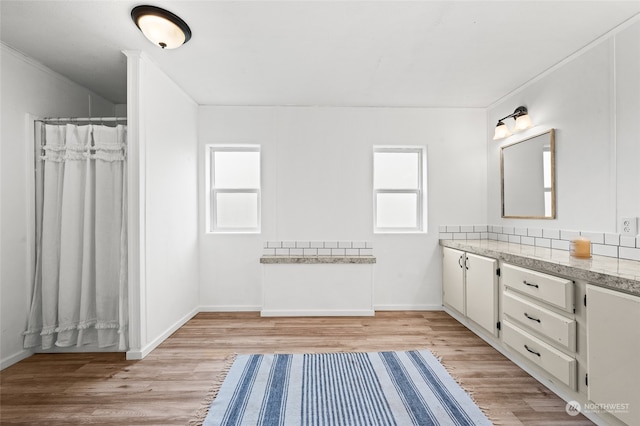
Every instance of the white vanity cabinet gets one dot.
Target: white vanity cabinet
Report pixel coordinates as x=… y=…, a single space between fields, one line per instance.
x=613 y=352
x=579 y=339
x=538 y=321
x=469 y=285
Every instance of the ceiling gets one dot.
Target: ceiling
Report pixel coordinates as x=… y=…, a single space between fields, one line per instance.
x=337 y=53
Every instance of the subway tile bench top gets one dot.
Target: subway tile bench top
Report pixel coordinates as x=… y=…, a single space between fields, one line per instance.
x=295 y=249
x=309 y=260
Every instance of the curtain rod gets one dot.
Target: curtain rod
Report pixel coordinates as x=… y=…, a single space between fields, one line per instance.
x=73 y=119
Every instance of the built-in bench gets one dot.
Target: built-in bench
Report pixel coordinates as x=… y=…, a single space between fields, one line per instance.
x=317 y=278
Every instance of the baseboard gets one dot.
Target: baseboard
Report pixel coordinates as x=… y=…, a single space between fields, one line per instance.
x=455 y=314
x=15 y=358
x=230 y=308
x=138 y=354
x=421 y=307
x=258 y=308
x=78 y=350
x=317 y=313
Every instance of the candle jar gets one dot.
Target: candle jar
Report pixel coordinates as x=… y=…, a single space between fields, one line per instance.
x=580 y=248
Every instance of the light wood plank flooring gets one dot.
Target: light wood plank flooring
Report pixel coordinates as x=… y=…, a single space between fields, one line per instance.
x=170 y=384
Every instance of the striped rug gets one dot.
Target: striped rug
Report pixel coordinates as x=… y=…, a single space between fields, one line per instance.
x=350 y=389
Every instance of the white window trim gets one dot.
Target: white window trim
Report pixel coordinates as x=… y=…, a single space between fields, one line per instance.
x=421 y=214
x=210 y=189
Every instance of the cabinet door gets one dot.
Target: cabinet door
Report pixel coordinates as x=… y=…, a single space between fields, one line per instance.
x=482 y=291
x=453 y=279
x=613 y=345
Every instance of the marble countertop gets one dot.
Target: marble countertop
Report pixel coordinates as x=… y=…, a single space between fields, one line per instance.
x=315 y=260
x=610 y=272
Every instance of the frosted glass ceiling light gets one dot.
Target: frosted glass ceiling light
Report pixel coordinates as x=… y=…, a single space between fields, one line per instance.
x=523 y=121
x=161 y=27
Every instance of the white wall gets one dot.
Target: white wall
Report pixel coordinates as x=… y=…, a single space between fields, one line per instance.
x=317 y=185
x=163 y=179
x=593 y=100
x=627 y=121
x=27 y=88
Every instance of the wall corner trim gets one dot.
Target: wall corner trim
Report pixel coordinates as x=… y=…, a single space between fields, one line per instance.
x=140 y=353
x=15 y=358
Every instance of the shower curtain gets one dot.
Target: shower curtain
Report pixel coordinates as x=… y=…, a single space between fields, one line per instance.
x=80 y=283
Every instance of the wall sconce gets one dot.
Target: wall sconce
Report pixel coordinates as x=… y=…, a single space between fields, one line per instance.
x=523 y=121
x=161 y=27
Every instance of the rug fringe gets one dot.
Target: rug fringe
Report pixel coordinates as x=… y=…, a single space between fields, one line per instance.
x=460 y=382
x=202 y=412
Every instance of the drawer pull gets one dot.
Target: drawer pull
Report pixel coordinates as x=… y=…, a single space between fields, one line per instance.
x=532 y=351
x=530 y=284
x=532 y=318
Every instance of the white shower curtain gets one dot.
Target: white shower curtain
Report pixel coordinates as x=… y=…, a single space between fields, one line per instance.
x=80 y=286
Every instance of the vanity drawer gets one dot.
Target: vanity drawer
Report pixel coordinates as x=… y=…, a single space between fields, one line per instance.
x=558 y=364
x=553 y=290
x=560 y=329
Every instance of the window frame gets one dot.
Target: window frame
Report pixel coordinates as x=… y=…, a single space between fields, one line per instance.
x=421 y=204
x=212 y=191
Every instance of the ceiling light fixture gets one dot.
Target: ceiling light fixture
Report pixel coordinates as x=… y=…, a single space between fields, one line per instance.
x=161 y=27
x=523 y=121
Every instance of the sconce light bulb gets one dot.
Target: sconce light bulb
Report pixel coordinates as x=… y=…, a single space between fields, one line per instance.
x=523 y=122
x=502 y=131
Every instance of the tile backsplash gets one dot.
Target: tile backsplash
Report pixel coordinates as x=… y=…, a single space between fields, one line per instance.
x=317 y=248
x=602 y=243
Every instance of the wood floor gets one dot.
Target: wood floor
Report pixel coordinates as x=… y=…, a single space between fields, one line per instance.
x=170 y=384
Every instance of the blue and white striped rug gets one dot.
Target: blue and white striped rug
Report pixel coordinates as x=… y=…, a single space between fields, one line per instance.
x=342 y=389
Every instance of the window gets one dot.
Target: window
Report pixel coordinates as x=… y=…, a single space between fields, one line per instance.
x=233 y=188
x=399 y=183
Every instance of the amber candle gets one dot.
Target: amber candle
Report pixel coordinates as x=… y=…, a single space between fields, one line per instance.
x=581 y=248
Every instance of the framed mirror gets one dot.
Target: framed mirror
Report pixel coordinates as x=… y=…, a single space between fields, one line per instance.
x=527 y=172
